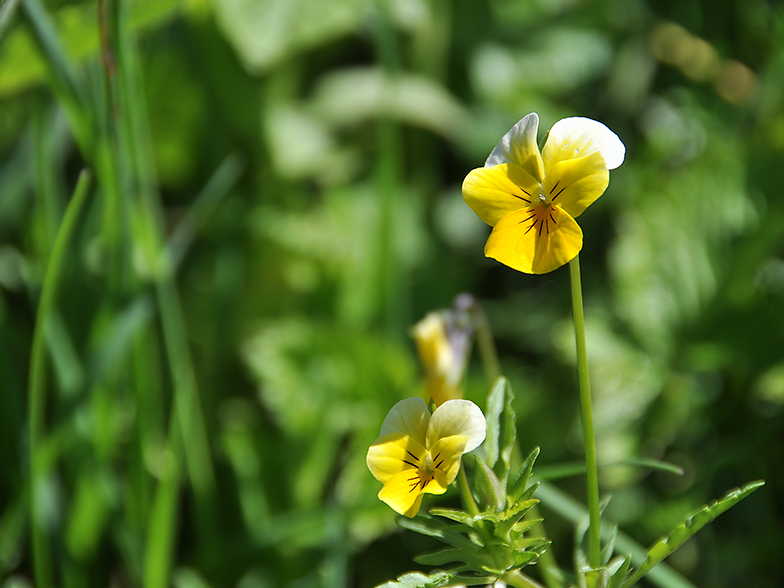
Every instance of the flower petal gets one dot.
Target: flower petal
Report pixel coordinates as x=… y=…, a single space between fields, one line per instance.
x=519 y=146
x=537 y=251
x=407 y=417
x=572 y=138
x=494 y=192
x=401 y=494
x=574 y=184
x=394 y=453
x=457 y=417
x=446 y=454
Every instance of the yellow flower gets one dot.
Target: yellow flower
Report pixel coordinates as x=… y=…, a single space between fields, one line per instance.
x=419 y=454
x=442 y=363
x=531 y=199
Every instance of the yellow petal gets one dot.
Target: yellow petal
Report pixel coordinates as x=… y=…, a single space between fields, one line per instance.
x=519 y=146
x=457 y=418
x=538 y=248
x=403 y=493
x=394 y=453
x=572 y=138
x=574 y=184
x=494 y=192
x=446 y=454
x=408 y=417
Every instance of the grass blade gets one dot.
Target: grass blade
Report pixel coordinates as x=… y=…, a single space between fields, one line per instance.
x=37 y=382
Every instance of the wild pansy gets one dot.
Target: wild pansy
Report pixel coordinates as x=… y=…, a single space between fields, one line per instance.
x=531 y=199
x=418 y=453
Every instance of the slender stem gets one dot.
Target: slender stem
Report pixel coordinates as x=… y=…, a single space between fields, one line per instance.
x=42 y=557
x=592 y=475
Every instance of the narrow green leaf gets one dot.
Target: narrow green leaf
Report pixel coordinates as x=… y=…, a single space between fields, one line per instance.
x=619 y=575
x=526 y=525
x=453 y=514
x=523 y=475
x=437 y=529
x=689 y=527
x=489 y=489
x=42 y=557
x=439 y=558
x=500 y=426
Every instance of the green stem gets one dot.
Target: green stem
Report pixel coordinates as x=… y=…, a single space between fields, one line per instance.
x=42 y=557
x=592 y=474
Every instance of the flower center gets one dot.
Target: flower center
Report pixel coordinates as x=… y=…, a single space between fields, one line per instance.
x=424 y=470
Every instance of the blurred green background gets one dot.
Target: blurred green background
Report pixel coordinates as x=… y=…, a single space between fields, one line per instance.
x=199 y=341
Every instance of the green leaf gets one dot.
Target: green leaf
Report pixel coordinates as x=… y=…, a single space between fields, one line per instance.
x=501 y=427
x=489 y=489
x=619 y=575
x=523 y=475
x=439 y=558
x=419 y=580
x=435 y=528
x=453 y=514
x=666 y=545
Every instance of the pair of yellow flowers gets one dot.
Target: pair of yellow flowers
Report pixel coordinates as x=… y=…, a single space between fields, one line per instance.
x=530 y=198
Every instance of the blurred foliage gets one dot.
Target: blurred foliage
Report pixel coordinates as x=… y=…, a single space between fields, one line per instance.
x=276 y=200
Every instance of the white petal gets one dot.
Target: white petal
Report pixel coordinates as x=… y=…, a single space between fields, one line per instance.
x=519 y=146
x=575 y=137
x=457 y=417
x=408 y=417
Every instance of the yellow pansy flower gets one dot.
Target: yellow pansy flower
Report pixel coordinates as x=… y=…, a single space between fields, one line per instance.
x=419 y=454
x=531 y=199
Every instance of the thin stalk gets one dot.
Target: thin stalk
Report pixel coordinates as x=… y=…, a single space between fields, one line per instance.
x=42 y=557
x=592 y=470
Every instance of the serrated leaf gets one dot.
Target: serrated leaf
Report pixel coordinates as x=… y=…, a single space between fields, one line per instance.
x=523 y=475
x=489 y=490
x=419 y=580
x=501 y=427
x=689 y=527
